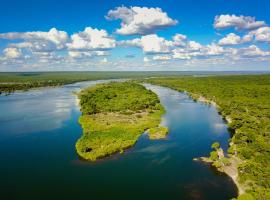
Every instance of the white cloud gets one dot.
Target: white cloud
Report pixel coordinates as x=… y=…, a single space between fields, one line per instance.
x=252 y=51
x=230 y=39
x=213 y=50
x=247 y=38
x=12 y=53
x=238 y=22
x=134 y=42
x=86 y=54
x=161 y=58
x=262 y=34
x=155 y=44
x=194 y=46
x=181 y=53
x=150 y=44
x=179 y=40
x=91 y=39
x=145 y=59
x=39 y=40
x=79 y=54
x=140 y=20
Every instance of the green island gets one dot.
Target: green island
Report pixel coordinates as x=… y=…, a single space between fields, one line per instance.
x=244 y=101
x=114 y=116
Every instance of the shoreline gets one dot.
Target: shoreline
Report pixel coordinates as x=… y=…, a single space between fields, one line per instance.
x=232 y=169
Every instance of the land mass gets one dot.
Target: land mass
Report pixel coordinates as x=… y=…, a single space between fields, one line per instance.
x=244 y=102
x=114 y=115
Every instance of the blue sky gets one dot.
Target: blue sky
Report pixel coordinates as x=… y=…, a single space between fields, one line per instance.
x=49 y=35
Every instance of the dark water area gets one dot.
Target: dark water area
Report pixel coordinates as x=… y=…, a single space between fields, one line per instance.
x=39 y=128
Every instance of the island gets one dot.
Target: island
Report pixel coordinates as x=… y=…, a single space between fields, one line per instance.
x=114 y=116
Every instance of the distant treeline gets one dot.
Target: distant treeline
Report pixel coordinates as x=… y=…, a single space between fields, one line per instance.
x=12 y=81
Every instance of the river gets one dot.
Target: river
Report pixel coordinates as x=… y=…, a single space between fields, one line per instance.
x=39 y=128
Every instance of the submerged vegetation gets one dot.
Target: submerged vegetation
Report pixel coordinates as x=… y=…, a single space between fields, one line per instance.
x=113 y=117
x=245 y=102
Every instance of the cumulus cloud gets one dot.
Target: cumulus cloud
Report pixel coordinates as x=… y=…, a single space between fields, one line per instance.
x=262 y=34
x=213 y=49
x=140 y=20
x=12 y=53
x=91 y=39
x=194 y=46
x=150 y=44
x=181 y=54
x=252 y=51
x=247 y=38
x=238 y=22
x=230 y=39
x=40 y=40
x=179 y=40
x=155 y=44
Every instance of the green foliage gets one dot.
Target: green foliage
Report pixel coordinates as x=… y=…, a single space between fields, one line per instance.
x=213 y=155
x=217 y=164
x=115 y=97
x=114 y=116
x=215 y=145
x=12 y=81
x=225 y=161
x=245 y=100
x=245 y=196
x=158 y=132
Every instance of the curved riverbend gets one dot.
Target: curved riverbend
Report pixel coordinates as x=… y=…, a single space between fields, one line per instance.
x=38 y=159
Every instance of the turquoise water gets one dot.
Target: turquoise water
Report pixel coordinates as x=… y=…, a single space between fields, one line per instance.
x=39 y=128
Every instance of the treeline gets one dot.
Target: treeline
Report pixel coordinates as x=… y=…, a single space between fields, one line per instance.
x=10 y=82
x=245 y=101
x=13 y=81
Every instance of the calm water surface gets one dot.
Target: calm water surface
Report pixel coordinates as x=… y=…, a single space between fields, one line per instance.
x=39 y=128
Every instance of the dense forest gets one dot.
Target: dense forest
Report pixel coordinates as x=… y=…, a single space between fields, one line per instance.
x=13 y=81
x=10 y=82
x=113 y=117
x=245 y=102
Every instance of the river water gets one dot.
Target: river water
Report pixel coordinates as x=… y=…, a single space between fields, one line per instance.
x=39 y=128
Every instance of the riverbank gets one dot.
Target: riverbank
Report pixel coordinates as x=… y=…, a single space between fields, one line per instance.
x=113 y=118
x=232 y=162
x=243 y=101
x=231 y=166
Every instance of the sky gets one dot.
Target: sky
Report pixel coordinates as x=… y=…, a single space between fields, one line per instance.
x=103 y=35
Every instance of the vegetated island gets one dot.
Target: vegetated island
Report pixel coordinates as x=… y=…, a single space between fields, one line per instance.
x=244 y=101
x=114 y=115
